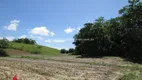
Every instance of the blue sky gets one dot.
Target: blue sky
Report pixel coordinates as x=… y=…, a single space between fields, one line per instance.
x=52 y=23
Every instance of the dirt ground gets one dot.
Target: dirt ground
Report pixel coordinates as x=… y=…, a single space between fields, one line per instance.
x=61 y=68
x=14 y=52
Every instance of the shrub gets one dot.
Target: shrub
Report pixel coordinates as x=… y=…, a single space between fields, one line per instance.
x=63 y=51
x=35 y=52
x=3 y=43
x=39 y=47
x=25 y=40
x=67 y=51
x=71 y=50
x=3 y=53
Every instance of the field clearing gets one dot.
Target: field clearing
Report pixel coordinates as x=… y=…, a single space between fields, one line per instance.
x=65 y=67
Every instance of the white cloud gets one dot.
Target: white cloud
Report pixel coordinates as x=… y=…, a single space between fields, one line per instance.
x=58 y=41
x=13 y=25
x=55 y=41
x=1 y=37
x=69 y=30
x=38 y=37
x=23 y=36
x=10 y=38
x=43 y=31
x=52 y=33
x=48 y=41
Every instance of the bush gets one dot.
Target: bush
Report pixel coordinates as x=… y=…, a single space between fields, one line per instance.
x=39 y=46
x=3 y=43
x=35 y=52
x=25 y=40
x=71 y=50
x=63 y=51
x=3 y=53
x=67 y=51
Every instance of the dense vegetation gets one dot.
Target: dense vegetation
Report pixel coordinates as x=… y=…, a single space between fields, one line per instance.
x=120 y=36
x=3 y=53
x=35 y=49
x=25 y=41
x=63 y=51
x=3 y=45
x=70 y=51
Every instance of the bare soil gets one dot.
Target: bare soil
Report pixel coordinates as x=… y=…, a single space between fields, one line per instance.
x=14 y=52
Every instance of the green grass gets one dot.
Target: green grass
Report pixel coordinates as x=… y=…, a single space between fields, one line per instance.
x=131 y=75
x=35 y=49
x=133 y=72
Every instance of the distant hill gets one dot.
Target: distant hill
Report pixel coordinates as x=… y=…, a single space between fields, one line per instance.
x=34 y=49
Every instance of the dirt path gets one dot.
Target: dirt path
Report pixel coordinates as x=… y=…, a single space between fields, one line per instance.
x=27 y=69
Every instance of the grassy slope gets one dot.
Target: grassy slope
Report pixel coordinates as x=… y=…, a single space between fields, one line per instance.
x=34 y=48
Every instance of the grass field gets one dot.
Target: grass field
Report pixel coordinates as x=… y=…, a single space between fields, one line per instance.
x=35 y=49
x=65 y=67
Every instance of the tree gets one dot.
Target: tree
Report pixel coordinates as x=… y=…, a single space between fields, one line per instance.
x=67 y=52
x=32 y=41
x=131 y=22
x=3 y=43
x=3 y=53
x=71 y=50
x=63 y=51
x=25 y=40
x=120 y=36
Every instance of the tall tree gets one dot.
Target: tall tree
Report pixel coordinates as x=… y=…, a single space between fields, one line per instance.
x=120 y=36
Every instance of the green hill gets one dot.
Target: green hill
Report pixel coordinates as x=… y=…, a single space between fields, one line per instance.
x=34 y=49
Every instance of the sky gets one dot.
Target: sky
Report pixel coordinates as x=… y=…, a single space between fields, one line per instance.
x=52 y=23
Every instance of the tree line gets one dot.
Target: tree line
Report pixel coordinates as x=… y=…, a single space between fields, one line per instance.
x=119 y=36
x=25 y=41
x=64 y=51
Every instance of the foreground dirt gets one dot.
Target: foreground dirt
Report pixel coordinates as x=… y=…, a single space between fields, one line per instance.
x=60 y=68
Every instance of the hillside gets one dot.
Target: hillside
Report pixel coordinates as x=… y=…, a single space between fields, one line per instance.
x=34 y=49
